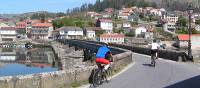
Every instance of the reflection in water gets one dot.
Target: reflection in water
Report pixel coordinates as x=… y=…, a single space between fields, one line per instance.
x=20 y=61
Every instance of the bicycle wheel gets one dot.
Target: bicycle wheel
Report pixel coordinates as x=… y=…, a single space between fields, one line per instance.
x=109 y=74
x=97 y=78
x=153 y=60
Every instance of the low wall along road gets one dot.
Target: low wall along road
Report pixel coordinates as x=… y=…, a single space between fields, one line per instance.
x=65 y=78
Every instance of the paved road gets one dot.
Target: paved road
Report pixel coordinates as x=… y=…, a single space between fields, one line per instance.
x=166 y=74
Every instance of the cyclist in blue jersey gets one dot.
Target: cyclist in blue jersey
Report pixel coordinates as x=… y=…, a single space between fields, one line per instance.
x=104 y=56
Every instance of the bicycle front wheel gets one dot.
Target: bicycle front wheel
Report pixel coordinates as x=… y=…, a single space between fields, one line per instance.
x=109 y=74
x=97 y=78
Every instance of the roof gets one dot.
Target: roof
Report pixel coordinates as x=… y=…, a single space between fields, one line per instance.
x=7 y=28
x=105 y=20
x=41 y=25
x=112 y=35
x=93 y=28
x=21 y=25
x=70 y=28
x=109 y=9
x=183 y=37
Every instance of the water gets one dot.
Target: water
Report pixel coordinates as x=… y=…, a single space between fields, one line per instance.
x=21 y=61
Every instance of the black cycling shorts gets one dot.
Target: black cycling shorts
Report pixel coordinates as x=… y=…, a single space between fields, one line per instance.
x=153 y=51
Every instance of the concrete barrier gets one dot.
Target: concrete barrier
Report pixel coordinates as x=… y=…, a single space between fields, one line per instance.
x=63 y=78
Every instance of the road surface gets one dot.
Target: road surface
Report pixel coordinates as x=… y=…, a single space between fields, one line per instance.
x=166 y=74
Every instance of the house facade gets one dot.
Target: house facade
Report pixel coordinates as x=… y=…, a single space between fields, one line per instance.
x=169 y=27
x=182 y=41
x=41 y=30
x=70 y=32
x=139 y=31
x=112 y=38
x=172 y=18
x=105 y=24
x=21 y=27
x=8 y=34
x=90 y=32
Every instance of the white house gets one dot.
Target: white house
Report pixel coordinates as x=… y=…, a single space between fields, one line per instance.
x=170 y=27
x=126 y=25
x=90 y=32
x=105 y=24
x=197 y=28
x=112 y=38
x=182 y=41
x=70 y=32
x=172 y=18
x=139 y=31
x=8 y=34
x=41 y=30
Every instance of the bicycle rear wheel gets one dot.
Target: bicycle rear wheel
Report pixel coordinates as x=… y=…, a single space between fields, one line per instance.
x=97 y=78
x=153 y=62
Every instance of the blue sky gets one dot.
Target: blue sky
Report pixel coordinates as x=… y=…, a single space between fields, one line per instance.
x=21 y=6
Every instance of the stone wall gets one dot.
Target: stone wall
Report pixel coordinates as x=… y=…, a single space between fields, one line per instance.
x=60 y=79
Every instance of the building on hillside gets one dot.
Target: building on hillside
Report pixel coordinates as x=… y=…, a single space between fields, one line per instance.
x=21 y=27
x=112 y=38
x=89 y=32
x=8 y=34
x=70 y=32
x=41 y=30
x=169 y=27
x=105 y=24
x=106 y=15
x=94 y=15
x=171 y=18
x=197 y=28
x=140 y=31
x=134 y=17
x=126 y=25
x=109 y=10
x=182 y=41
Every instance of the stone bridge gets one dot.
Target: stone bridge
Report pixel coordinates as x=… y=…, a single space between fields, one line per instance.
x=138 y=74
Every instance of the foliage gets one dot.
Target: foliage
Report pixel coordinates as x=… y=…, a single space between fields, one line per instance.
x=130 y=34
x=99 y=32
x=181 y=31
x=182 y=21
x=69 y=21
x=185 y=31
x=197 y=21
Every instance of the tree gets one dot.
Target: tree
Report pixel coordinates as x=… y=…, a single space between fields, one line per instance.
x=197 y=21
x=182 y=22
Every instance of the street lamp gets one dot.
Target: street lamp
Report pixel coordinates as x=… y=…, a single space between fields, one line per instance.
x=190 y=11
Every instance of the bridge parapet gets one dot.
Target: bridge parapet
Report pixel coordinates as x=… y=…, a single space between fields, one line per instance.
x=65 y=78
x=166 y=54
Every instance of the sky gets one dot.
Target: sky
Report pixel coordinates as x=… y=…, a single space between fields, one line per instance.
x=22 y=6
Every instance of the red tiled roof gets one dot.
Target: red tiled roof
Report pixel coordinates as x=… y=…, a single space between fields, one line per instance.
x=183 y=37
x=105 y=20
x=42 y=25
x=21 y=25
x=112 y=35
x=7 y=28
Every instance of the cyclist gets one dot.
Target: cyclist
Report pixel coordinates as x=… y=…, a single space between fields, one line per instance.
x=104 y=56
x=154 y=49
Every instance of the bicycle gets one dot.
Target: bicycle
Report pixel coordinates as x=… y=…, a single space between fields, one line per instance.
x=153 y=58
x=100 y=75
